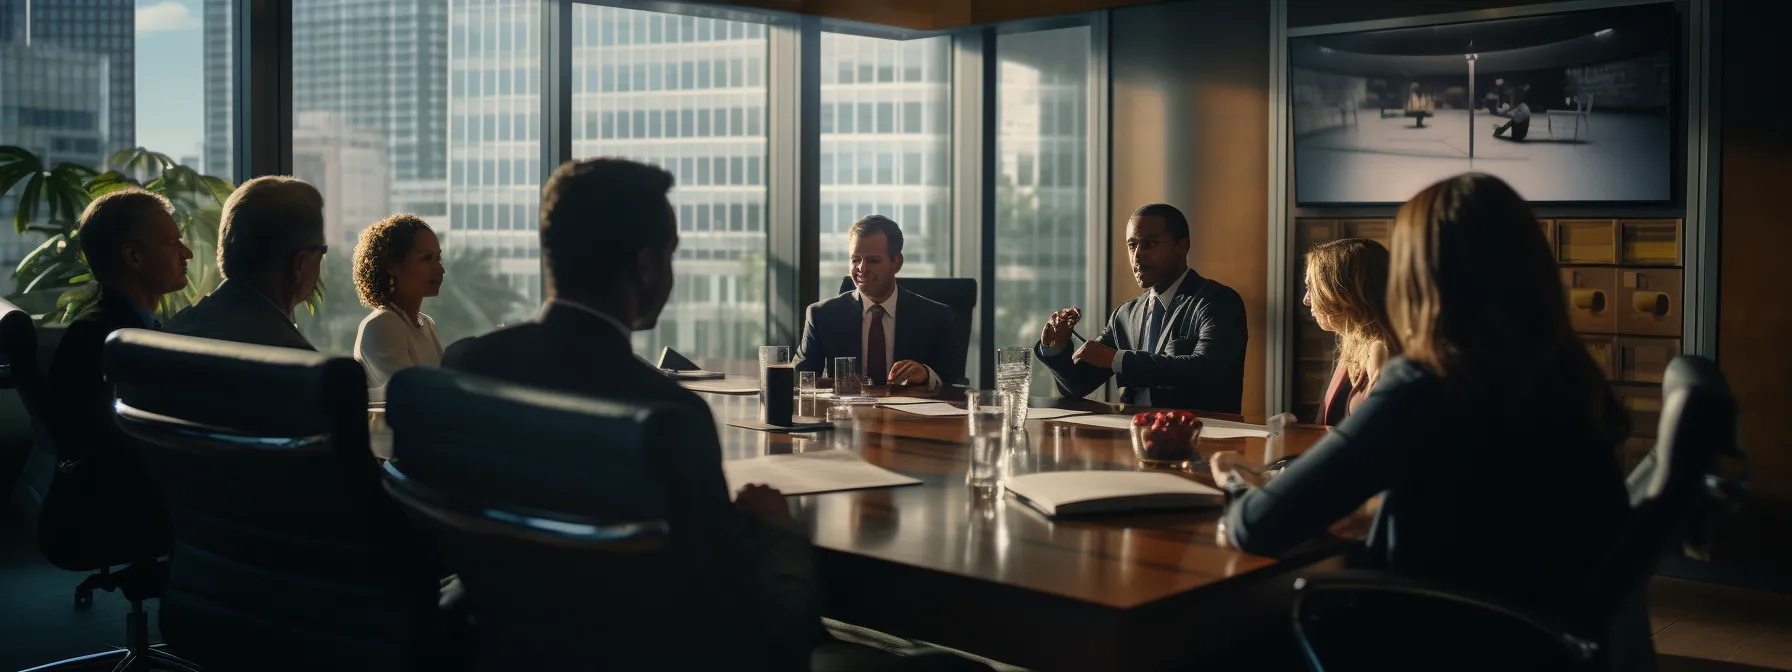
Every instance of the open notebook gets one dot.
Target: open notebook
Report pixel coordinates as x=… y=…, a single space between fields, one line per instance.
x=1070 y=493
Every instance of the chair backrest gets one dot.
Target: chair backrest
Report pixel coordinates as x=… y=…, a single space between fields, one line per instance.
x=959 y=294
x=558 y=512
x=287 y=555
x=1671 y=488
x=20 y=358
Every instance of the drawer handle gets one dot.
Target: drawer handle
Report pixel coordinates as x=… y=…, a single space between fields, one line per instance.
x=1650 y=303
x=1590 y=300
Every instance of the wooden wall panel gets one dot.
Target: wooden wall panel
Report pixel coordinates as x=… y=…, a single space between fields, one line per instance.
x=1191 y=128
x=1754 y=338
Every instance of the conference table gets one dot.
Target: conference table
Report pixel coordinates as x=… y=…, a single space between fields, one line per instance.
x=941 y=563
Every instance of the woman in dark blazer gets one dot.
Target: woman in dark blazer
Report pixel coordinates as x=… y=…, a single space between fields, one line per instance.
x=1347 y=286
x=1491 y=379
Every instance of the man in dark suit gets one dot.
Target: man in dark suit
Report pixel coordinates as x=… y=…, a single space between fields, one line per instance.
x=900 y=337
x=102 y=495
x=608 y=237
x=1180 y=345
x=270 y=249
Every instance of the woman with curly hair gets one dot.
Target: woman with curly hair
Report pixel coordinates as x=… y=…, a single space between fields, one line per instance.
x=398 y=263
x=1347 y=286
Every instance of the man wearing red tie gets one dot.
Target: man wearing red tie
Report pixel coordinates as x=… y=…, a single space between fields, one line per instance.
x=900 y=337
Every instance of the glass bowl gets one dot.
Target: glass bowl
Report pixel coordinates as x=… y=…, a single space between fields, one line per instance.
x=1165 y=439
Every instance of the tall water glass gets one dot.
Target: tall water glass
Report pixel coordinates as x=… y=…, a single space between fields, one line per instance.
x=989 y=434
x=769 y=355
x=846 y=377
x=1014 y=379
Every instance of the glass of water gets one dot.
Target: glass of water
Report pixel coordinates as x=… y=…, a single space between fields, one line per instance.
x=988 y=440
x=1014 y=379
x=770 y=355
x=805 y=383
x=846 y=377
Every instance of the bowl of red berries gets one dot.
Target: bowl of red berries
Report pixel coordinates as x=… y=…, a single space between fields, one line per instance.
x=1165 y=438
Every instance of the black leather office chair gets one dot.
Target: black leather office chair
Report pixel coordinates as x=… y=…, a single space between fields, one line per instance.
x=959 y=294
x=80 y=527
x=556 y=511
x=1372 y=620
x=287 y=555
x=21 y=370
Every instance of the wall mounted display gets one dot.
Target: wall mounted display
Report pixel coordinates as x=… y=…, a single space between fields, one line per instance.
x=1573 y=107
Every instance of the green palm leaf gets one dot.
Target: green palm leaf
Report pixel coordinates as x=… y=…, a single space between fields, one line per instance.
x=26 y=209
x=108 y=182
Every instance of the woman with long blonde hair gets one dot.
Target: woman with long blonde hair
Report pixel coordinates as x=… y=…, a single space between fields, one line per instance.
x=1347 y=284
x=1492 y=436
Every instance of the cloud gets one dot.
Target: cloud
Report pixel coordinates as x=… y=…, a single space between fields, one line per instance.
x=163 y=16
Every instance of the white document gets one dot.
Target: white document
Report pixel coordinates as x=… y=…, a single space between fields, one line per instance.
x=903 y=401
x=807 y=473
x=726 y=386
x=1210 y=429
x=938 y=409
x=1076 y=492
x=934 y=409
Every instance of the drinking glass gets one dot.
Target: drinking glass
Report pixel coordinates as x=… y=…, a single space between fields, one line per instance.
x=1014 y=379
x=805 y=383
x=769 y=355
x=989 y=434
x=846 y=377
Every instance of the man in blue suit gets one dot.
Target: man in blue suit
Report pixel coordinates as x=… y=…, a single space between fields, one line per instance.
x=900 y=337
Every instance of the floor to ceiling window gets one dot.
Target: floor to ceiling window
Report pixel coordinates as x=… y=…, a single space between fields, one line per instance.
x=431 y=109
x=886 y=138
x=80 y=81
x=687 y=94
x=1042 y=189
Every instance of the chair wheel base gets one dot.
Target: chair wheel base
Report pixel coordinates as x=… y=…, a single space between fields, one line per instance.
x=152 y=658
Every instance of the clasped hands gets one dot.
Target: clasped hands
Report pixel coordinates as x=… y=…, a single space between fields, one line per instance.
x=1057 y=333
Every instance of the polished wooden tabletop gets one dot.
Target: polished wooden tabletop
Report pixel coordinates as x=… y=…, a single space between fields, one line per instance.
x=941 y=562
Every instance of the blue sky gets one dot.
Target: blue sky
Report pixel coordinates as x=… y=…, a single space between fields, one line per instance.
x=170 y=76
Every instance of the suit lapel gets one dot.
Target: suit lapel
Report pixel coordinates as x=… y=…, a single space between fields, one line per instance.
x=1181 y=304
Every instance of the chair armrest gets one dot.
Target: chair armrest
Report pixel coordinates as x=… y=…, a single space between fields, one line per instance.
x=1369 y=581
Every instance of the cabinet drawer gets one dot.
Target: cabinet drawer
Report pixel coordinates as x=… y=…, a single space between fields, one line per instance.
x=1586 y=241
x=1648 y=301
x=1649 y=242
x=1591 y=299
x=1378 y=230
x=1602 y=350
x=1644 y=360
x=1643 y=403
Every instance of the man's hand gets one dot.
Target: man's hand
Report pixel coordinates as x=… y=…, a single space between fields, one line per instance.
x=1096 y=354
x=1058 y=327
x=762 y=502
x=909 y=372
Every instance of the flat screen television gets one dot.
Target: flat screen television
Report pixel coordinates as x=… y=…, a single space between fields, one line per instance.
x=1573 y=107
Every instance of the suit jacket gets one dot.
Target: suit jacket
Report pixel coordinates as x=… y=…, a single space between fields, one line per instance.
x=1198 y=364
x=238 y=312
x=102 y=508
x=836 y=328
x=572 y=350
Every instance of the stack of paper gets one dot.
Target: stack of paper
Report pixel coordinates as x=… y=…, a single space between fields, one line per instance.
x=938 y=409
x=1078 y=492
x=812 y=472
x=726 y=386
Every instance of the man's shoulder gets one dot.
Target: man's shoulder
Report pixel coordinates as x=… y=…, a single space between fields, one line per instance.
x=1218 y=292
x=924 y=303
x=505 y=342
x=833 y=302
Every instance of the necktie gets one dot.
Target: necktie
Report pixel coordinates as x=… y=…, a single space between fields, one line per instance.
x=877 y=365
x=1155 y=330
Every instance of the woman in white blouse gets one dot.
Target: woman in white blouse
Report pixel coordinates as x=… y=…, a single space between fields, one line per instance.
x=398 y=263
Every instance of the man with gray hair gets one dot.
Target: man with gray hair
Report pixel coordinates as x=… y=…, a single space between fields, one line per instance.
x=270 y=251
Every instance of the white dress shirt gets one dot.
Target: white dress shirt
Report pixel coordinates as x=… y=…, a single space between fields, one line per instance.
x=1162 y=299
x=889 y=304
x=388 y=342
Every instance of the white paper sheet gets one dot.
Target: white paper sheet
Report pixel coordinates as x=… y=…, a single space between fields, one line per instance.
x=806 y=473
x=726 y=386
x=903 y=401
x=939 y=409
x=1210 y=429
